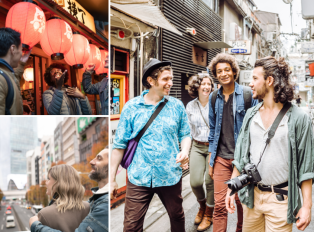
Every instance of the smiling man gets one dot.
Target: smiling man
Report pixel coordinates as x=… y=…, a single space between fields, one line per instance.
x=227 y=107
x=286 y=166
x=156 y=163
x=97 y=219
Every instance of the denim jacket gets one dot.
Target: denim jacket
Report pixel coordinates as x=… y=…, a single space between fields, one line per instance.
x=95 y=221
x=100 y=88
x=215 y=122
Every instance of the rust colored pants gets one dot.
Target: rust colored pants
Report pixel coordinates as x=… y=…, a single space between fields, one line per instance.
x=222 y=173
x=137 y=202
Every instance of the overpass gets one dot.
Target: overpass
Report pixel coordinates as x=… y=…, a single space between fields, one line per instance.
x=14 y=194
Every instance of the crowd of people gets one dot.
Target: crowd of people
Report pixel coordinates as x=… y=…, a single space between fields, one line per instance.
x=252 y=137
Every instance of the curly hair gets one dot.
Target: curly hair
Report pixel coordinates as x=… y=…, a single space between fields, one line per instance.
x=155 y=73
x=279 y=70
x=195 y=83
x=224 y=58
x=47 y=74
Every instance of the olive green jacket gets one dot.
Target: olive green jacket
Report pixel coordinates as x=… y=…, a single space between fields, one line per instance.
x=301 y=156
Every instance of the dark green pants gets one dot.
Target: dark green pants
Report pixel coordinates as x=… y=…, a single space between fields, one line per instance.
x=199 y=169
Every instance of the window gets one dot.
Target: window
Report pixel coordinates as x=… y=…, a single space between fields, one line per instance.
x=84 y=137
x=117 y=94
x=97 y=128
x=209 y=3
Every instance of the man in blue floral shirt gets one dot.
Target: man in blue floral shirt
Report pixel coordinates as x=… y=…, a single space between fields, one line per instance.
x=157 y=163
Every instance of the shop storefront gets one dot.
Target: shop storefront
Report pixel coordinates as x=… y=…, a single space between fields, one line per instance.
x=79 y=19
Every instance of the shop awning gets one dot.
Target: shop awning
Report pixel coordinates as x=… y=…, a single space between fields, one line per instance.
x=211 y=45
x=147 y=13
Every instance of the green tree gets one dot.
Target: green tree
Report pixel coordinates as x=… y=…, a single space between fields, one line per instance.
x=1 y=195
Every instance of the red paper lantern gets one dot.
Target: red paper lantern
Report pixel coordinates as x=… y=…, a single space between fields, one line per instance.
x=79 y=52
x=28 y=19
x=311 y=67
x=57 y=38
x=104 y=57
x=94 y=57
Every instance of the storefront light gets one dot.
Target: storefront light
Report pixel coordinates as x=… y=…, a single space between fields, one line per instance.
x=57 y=38
x=29 y=74
x=94 y=57
x=79 y=52
x=28 y=19
x=104 y=57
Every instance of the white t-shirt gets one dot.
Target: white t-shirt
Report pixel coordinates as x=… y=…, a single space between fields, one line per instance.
x=274 y=166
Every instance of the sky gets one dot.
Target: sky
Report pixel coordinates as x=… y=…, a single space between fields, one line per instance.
x=47 y=124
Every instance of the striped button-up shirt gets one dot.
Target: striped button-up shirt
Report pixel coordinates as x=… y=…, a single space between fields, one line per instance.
x=199 y=129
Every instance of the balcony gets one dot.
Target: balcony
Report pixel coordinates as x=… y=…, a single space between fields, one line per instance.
x=86 y=147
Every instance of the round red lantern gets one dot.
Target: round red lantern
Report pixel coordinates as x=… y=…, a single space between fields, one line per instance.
x=104 y=58
x=79 y=52
x=57 y=38
x=94 y=57
x=28 y=19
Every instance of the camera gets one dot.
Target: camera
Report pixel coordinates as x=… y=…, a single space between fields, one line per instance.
x=248 y=175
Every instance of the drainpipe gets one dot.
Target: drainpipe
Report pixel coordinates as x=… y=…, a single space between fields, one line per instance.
x=142 y=61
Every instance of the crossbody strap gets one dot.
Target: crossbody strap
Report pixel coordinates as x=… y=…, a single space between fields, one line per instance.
x=154 y=115
x=202 y=114
x=10 y=95
x=274 y=126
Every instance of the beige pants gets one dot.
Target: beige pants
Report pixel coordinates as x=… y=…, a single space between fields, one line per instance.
x=268 y=214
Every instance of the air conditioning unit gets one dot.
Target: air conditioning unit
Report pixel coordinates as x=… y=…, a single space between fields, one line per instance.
x=245 y=77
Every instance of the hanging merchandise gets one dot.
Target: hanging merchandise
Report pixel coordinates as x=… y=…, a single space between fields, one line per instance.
x=29 y=74
x=311 y=67
x=57 y=38
x=28 y=19
x=94 y=57
x=79 y=52
x=104 y=59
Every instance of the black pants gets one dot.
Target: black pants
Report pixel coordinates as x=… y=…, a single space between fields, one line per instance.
x=137 y=202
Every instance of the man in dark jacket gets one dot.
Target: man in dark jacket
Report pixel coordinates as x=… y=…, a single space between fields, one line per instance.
x=100 y=88
x=97 y=219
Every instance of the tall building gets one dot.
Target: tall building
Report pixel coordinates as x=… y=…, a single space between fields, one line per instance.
x=58 y=144
x=18 y=135
x=70 y=141
x=89 y=129
x=47 y=157
x=31 y=157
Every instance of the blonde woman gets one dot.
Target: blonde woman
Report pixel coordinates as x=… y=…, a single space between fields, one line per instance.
x=200 y=87
x=66 y=210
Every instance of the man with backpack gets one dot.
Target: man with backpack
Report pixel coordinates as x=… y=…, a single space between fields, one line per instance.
x=11 y=70
x=227 y=108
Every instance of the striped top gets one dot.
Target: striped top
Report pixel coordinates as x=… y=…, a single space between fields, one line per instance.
x=199 y=130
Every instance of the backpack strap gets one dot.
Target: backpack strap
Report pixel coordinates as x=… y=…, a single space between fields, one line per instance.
x=247 y=97
x=213 y=100
x=10 y=95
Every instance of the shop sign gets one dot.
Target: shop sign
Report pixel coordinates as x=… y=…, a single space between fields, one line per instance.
x=242 y=47
x=310 y=82
x=307 y=47
x=84 y=122
x=76 y=10
x=199 y=56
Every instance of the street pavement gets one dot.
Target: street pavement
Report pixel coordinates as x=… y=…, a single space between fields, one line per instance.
x=24 y=215
x=3 y=221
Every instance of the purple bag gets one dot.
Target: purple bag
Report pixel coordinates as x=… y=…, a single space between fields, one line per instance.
x=132 y=145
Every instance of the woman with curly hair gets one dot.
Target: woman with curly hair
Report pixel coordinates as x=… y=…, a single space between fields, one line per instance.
x=67 y=209
x=60 y=99
x=200 y=87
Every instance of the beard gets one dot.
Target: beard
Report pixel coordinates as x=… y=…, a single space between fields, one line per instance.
x=260 y=94
x=99 y=174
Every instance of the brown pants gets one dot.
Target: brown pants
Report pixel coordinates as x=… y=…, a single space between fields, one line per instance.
x=137 y=202
x=222 y=173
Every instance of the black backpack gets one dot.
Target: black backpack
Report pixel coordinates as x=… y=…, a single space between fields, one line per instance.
x=246 y=96
x=10 y=95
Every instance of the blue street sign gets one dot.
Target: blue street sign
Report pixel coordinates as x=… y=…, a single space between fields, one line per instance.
x=239 y=50
x=3 y=198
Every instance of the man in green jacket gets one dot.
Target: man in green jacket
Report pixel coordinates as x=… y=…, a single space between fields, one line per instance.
x=287 y=162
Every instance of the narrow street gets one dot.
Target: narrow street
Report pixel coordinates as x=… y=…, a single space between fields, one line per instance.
x=3 y=217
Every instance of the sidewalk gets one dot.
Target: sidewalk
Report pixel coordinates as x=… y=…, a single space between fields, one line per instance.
x=157 y=219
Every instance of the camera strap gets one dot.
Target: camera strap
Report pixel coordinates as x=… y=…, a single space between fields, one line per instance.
x=274 y=127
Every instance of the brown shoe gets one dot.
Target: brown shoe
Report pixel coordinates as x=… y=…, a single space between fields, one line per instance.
x=207 y=219
x=201 y=211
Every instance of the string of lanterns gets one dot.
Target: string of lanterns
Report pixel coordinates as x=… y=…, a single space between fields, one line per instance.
x=55 y=36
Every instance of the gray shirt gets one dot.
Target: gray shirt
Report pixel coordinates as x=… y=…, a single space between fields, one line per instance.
x=274 y=166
